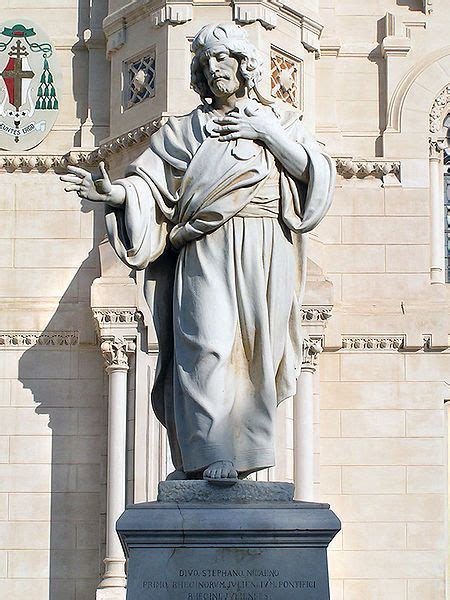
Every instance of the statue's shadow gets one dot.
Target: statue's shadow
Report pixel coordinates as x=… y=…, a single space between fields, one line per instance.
x=66 y=381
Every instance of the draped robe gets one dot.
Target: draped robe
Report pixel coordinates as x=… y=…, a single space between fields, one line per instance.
x=224 y=279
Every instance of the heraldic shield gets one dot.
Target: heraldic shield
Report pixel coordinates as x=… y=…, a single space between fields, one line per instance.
x=29 y=74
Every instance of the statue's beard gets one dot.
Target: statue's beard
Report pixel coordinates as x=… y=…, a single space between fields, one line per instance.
x=225 y=87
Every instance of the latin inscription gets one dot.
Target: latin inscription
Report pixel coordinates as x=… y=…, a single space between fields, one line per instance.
x=228 y=584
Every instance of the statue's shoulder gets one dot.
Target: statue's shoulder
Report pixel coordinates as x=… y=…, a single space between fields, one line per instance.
x=185 y=117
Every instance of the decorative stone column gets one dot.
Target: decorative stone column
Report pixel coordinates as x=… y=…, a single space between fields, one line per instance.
x=437 y=211
x=304 y=421
x=116 y=351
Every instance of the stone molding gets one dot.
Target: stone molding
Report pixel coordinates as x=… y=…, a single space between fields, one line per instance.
x=53 y=162
x=181 y=11
x=387 y=343
x=27 y=339
x=312 y=347
x=347 y=167
x=116 y=316
x=374 y=342
x=316 y=314
x=362 y=168
x=397 y=101
x=117 y=351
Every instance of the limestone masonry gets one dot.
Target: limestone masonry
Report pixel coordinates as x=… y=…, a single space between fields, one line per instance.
x=367 y=429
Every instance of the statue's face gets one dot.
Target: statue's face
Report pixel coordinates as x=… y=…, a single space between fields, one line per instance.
x=222 y=72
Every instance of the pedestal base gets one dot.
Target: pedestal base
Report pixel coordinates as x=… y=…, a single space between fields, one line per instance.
x=254 y=543
x=111 y=593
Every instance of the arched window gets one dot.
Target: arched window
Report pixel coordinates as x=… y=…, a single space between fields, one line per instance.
x=447 y=201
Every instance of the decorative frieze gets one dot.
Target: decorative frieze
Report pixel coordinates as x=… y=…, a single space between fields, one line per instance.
x=116 y=316
x=316 y=314
x=26 y=339
x=348 y=167
x=374 y=342
x=117 y=351
x=59 y=163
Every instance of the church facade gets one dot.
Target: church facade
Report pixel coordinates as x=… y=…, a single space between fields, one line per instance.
x=367 y=430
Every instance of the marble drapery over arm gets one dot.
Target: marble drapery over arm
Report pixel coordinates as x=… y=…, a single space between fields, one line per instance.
x=188 y=184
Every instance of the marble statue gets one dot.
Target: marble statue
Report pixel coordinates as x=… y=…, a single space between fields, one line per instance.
x=216 y=210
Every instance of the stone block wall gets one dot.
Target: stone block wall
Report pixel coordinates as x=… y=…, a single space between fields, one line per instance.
x=52 y=402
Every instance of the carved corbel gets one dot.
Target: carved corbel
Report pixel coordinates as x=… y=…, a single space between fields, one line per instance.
x=249 y=12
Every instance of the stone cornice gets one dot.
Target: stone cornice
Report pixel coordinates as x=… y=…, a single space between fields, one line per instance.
x=346 y=167
x=178 y=11
x=25 y=339
x=59 y=162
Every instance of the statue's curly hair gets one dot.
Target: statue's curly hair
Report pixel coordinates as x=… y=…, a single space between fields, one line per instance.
x=235 y=39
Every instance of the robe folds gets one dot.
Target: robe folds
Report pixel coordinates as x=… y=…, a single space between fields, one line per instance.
x=224 y=280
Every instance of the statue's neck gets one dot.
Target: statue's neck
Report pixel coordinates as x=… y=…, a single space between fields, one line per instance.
x=230 y=103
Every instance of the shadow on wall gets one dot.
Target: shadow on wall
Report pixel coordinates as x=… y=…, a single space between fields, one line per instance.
x=67 y=383
x=411 y=4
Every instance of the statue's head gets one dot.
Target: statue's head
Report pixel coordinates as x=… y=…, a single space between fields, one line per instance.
x=224 y=61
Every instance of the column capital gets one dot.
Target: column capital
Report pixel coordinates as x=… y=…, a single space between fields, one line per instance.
x=312 y=347
x=437 y=145
x=116 y=352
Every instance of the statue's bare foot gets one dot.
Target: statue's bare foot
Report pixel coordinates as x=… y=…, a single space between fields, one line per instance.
x=221 y=472
x=176 y=476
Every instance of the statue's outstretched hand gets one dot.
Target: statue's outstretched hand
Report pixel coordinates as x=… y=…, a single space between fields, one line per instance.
x=96 y=189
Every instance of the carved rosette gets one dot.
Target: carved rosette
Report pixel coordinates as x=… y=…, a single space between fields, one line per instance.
x=117 y=351
x=312 y=347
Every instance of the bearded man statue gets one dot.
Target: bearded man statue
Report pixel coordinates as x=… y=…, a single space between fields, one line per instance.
x=216 y=210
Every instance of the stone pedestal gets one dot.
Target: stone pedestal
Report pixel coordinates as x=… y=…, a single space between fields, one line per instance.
x=251 y=541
